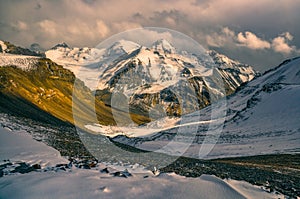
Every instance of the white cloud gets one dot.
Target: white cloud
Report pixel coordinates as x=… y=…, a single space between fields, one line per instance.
x=220 y=39
x=74 y=33
x=227 y=37
x=288 y=36
x=251 y=41
x=280 y=43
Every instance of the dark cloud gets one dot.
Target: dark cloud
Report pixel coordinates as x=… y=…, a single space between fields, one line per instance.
x=88 y=22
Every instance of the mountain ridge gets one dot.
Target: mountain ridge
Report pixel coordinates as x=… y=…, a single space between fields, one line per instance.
x=45 y=87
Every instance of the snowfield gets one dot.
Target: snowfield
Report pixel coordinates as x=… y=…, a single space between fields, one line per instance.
x=21 y=61
x=92 y=183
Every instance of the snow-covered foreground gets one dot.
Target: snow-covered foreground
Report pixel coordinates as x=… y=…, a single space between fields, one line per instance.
x=19 y=146
x=92 y=183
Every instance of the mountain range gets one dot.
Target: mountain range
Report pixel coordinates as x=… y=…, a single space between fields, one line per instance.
x=155 y=78
x=259 y=107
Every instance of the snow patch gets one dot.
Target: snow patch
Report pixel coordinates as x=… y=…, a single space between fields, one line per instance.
x=19 y=146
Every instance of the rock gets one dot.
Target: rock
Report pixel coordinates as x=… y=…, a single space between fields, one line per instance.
x=124 y=174
x=93 y=164
x=155 y=171
x=23 y=168
x=61 y=165
x=105 y=170
x=36 y=166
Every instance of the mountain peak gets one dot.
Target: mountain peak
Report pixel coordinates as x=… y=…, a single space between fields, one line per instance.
x=60 y=45
x=286 y=73
x=163 y=45
x=123 y=46
x=35 y=47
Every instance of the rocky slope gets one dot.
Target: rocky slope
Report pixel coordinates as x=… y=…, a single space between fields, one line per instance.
x=38 y=88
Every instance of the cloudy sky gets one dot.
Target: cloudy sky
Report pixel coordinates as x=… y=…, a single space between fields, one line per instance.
x=262 y=34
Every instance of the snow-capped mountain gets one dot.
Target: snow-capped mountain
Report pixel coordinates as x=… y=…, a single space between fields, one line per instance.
x=163 y=45
x=121 y=47
x=161 y=75
x=155 y=75
x=262 y=118
x=88 y=63
x=94 y=61
x=241 y=72
x=162 y=64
